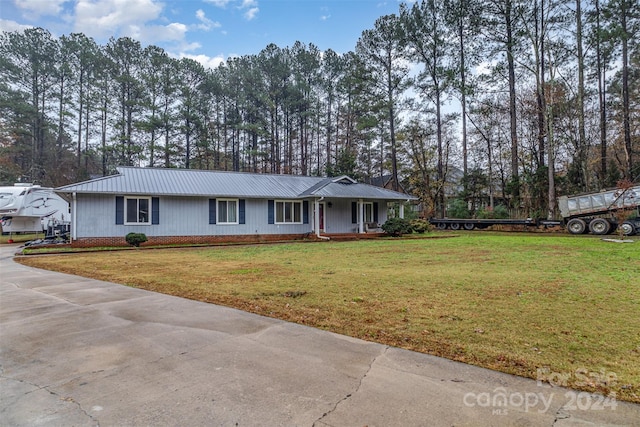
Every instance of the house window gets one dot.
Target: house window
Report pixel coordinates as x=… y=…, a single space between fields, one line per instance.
x=137 y=210
x=227 y=211
x=288 y=212
x=368 y=212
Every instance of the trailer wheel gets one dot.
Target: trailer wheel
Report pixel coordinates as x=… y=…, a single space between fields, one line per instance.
x=469 y=226
x=454 y=226
x=599 y=226
x=441 y=226
x=628 y=229
x=576 y=226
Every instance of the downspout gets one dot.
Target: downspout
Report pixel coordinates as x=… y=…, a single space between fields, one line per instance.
x=74 y=218
x=317 y=219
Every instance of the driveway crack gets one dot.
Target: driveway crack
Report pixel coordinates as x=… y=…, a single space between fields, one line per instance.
x=560 y=415
x=47 y=388
x=88 y=415
x=357 y=389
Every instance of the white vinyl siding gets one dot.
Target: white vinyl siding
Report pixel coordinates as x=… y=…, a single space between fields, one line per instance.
x=189 y=216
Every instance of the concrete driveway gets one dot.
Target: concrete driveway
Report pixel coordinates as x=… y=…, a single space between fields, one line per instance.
x=80 y=352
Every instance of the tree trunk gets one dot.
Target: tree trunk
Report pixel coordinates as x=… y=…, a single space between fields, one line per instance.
x=515 y=177
x=601 y=99
x=625 y=94
x=582 y=149
x=440 y=166
x=392 y=131
x=539 y=47
x=463 y=97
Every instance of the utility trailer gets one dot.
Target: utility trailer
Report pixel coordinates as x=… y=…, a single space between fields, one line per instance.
x=591 y=212
x=28 y=208
x=480 y=224
x=597 y=212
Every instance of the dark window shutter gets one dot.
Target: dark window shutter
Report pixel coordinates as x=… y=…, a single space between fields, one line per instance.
x=375 y=211
x=305 y=212
x=241 y=211
x=271 y=211
x=212 y=211
x=155 y=210
x=119 y=210
x=354 y=212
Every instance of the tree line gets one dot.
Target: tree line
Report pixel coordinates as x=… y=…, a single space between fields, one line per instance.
x=492 y=102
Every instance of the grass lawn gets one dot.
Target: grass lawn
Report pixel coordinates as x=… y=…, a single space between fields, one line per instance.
x=20 y=238
x=566 y=308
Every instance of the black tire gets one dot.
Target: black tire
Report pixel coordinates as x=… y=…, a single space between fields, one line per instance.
x=628 y=229
x=455 y=226
x=469 y=226
x=599 y=226
x=576 y=226
x=441 y=226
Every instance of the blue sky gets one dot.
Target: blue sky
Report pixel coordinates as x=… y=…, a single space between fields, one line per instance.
x=208 y=31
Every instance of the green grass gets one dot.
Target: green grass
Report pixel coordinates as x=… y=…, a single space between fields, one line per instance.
x=20 y=238
x=510 y=302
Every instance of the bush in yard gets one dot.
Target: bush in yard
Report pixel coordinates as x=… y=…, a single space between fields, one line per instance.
x=499 y=212
x=458 y=209
x=420 y=225
x=397 y=227
x=135 y=239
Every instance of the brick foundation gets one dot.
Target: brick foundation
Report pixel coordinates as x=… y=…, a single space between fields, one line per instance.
x=88 y=242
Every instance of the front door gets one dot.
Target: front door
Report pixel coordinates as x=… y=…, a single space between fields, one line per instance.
x=321 y=215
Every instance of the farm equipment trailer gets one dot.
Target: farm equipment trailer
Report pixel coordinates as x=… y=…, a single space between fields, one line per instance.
x=480 y=224
x=596 y=213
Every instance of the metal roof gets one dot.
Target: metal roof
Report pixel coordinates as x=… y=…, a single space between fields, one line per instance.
x=192 y=182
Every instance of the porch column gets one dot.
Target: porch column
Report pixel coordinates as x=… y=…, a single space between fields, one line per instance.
x=401 y=210
x=360 y=216
x=316 y=217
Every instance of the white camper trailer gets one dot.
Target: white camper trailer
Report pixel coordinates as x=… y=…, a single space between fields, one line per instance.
x=28 y=208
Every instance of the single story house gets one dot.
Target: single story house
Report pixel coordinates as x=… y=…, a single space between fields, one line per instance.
x=198 y=206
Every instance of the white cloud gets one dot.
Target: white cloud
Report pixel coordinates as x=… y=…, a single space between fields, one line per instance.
x=190 y=46
x=250 y=7
x=206 y=61
x=40 y=7
x=205 y=23
x=151 y=34
x=218 y=3
x=102 y=18
x=10 y=26
x=251 y=13
x=325 y=13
